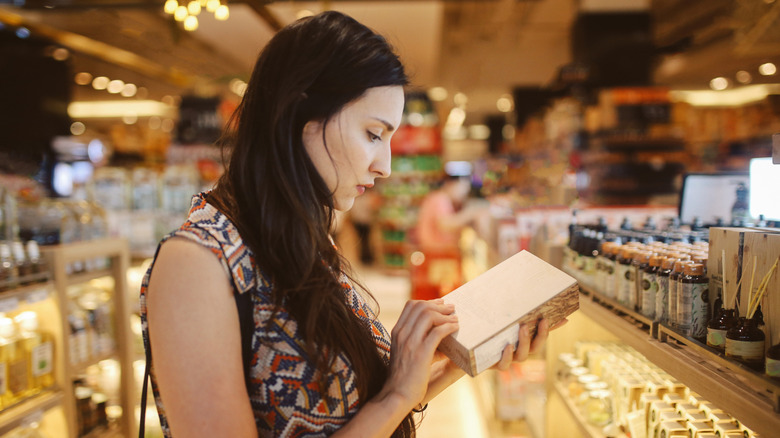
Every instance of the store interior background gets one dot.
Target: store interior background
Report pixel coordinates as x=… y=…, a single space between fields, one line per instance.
x=552 y=105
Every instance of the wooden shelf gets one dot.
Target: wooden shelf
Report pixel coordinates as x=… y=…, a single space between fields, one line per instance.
x=13 y=417
x=586 y=429
x=729 y=389
x=81 y=367
x=83 y=277
x=29 y=293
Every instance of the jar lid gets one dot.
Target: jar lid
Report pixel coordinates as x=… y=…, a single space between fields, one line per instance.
x=656 y=260
x=694 y=269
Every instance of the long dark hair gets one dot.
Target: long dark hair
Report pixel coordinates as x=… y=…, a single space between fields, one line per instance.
x=280 y=204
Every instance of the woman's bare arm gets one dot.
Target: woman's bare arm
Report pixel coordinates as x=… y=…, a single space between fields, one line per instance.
x=196 y=344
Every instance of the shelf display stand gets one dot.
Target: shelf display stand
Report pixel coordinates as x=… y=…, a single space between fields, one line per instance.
x=733 y=388
x=116 y=251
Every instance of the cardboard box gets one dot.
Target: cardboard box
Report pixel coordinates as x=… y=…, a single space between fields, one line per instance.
x=492 y=307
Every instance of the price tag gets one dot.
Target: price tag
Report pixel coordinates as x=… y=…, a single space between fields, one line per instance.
x=37 y=295
x=9 y=304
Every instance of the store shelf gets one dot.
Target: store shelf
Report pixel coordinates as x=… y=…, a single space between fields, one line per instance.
x=13 y=417
x=729 y=389
x=78 y=369
x=31 y=293
x=586 y=429
x=83 y=277
x=104 y=432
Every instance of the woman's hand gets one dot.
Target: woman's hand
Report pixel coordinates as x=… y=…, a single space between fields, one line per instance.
x=526 y=345
x=415 y=337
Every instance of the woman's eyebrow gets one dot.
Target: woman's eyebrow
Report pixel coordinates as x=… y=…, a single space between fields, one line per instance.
x=387 y=124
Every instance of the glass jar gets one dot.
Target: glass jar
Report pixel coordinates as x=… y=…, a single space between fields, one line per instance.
x=718 y=326
x=597 y=409
x=745 y=343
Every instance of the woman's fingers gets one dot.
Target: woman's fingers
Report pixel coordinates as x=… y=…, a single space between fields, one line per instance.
x=418 y=317
x=506 y=358
x=542 y=331
x=523 y=344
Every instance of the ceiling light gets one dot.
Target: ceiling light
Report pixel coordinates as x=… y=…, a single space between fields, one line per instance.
x=767 y=69
x=726 y=98
x=504 y=104
x=170 y=6
x=168 y=100
x=238 y=86
x=60 y=54
x=744 y=77
x=129 y=90
x=77 y=128
x=460 y=99
x=193 y=7
x=23 y=32
x=115 y=86
x=191 y=23
x=130 y=119
x=83 y=78
x=142 y=93
x=119 y=108
x=719 y=83
x=154 y=122
x=222 y=13
x=100 y=83
x=180 y=14
x=212 y=5
x=437 y=94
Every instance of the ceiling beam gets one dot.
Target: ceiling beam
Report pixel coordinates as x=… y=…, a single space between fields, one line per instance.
x=102 y=51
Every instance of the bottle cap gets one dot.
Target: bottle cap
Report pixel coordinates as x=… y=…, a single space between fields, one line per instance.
x=644 y=256
x=656 y=260
x=694 y=269
x=32 y=249
x=679 y=265
x=668 y=263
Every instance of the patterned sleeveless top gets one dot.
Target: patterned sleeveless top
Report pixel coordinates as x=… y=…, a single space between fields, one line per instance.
x=283 y=391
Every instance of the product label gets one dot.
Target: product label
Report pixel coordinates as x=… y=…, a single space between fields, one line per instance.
x=489 y=353
x=42 y=359
x=692 y=309
x=3 y=379
x=609 y=278
x=745 y=350
x=622 y=283
x=649 y=291
x=672 y=302
x=772 y=367
x=17 y=376
x=662 y=300
x=716 y=338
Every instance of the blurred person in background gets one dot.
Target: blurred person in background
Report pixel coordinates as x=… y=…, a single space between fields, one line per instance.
x=252 y=323
x=441 y=219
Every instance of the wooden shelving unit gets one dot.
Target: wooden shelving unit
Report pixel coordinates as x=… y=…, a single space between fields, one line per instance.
x=586 y=429
x=116 y=251
x=13 y=417
x=735 y=389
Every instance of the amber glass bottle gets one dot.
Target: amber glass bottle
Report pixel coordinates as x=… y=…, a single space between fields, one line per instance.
x=719 y=325
x=693 y=302
x=624 y=278
x=674 y=278
x=649 y=285
x=745 y=343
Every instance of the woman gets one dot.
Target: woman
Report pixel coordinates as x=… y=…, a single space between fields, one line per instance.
x=313 y=132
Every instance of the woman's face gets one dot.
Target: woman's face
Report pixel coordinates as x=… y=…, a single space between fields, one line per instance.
x=358 y=143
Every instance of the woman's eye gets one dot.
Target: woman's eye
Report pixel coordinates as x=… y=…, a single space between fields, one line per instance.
x=373 y=137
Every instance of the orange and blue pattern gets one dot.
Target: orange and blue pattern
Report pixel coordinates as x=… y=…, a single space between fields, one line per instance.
x=284 y=392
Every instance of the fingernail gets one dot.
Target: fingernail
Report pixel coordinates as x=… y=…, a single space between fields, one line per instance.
x=526 y=331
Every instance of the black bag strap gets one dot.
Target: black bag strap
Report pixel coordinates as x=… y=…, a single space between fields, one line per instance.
x=247 y=327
